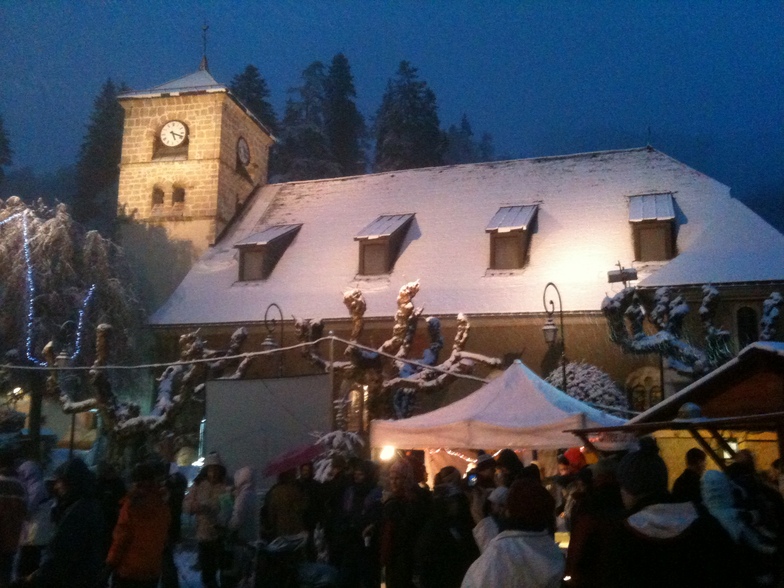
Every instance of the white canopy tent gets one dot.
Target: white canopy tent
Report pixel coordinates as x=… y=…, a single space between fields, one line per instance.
x=517 y=409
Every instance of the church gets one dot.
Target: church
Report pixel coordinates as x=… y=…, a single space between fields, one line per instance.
x=215 y=246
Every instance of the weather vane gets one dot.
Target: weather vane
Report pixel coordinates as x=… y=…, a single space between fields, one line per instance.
x=203 y=66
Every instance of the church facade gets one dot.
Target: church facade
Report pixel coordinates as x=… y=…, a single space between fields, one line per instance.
x=217 y=245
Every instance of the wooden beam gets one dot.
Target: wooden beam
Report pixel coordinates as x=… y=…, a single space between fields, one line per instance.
x=722 y=443
x=708 y=449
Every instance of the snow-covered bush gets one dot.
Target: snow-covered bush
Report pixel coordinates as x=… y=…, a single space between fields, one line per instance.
x=588 y=383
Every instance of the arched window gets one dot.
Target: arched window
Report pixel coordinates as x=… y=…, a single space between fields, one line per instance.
x=157 y=196
x=747 y=323
x=178 y=195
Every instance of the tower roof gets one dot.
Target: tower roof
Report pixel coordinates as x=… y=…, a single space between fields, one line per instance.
x=195 y=83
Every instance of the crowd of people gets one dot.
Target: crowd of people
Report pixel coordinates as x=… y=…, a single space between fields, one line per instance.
x=494 y=526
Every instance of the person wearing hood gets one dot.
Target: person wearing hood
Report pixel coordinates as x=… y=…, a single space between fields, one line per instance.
x=661 y=543
x=141 y=533
x=38 y=528
x=525 y=554
x=74 y=556
x=243 y=528
x=490 y=526
x=207 y=499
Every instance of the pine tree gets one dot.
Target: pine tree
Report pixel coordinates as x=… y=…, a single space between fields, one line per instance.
x=97 y=168
x=5 y=150
x=344 y=125
x=304 y=152
x=251 y=89
x=407 y=127
x=461 y=147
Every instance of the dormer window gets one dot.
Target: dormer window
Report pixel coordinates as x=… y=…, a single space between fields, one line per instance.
x=379 y=243
x=260 y=252
x=510 y=236
x=652 y=217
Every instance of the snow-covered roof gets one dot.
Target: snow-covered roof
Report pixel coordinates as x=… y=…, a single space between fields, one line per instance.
x=734 y=246
x=198 y=81
x=581 y=231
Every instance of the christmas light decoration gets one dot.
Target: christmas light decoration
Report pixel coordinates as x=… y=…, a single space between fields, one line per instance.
x=10 y=218
x=30 y=292
x=80 y=327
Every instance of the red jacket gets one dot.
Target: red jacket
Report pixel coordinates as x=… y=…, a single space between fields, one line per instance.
x=140 y=535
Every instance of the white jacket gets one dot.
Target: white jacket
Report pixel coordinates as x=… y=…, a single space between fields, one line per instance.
x=245 y=515
x=518 y=559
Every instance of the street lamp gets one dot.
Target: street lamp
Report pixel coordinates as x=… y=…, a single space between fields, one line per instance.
x=269 y=343
x=550 y=330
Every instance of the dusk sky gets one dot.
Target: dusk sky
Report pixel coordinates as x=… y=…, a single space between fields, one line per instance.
x=700 y=80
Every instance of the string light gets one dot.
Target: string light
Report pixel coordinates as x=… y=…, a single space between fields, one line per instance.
x=80 y=327
x=30 y=292
x=13 y=216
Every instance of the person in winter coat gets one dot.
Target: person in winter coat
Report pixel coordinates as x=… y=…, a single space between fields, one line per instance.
x=525 y=555
x=490 y=526
x=404 y=513
x=284 y=507
x=207 y=499
x=142 y=529
x=661 y=543
x=687 y=486
x=38 y=527
x=356 y=546
x=175 y=484
x=591 y=559
x=243 y=528
x=13 y=509
x=446 y=546
x=74 y=556
x=481 y=484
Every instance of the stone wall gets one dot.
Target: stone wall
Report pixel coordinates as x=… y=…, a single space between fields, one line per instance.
x=199 y=189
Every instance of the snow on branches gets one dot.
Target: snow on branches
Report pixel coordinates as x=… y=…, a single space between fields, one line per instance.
x=625 y=315
x=771 y=312
x=389 y=371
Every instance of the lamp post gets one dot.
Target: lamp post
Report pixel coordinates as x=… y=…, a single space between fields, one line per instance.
x=550 y=330
x=269 y=343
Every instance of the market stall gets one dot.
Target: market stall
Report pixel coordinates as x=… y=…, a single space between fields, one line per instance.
x=518 y=409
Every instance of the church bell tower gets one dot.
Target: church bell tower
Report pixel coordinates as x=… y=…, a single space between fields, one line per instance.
x=192 y=154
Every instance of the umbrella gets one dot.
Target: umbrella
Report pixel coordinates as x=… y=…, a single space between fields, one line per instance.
x=292 y=459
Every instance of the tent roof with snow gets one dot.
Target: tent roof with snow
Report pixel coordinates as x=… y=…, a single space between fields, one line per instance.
x=517 y=409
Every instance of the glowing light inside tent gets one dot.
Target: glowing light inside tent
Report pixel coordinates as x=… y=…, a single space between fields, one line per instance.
x=387 y=453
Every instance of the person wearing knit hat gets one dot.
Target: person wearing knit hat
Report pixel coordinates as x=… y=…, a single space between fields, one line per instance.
x=208 y=499
x=525 y=554
x=661 y=543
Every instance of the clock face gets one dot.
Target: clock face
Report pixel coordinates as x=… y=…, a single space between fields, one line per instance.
x=173 y=133
x=243 y=151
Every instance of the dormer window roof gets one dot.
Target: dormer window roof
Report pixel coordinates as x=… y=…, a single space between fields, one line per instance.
x=510 y=236
x=512 y=218
x=380 y=241
x=651 y=207
x=260 y=252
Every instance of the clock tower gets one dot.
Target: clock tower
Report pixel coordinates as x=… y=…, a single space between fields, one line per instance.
x=192 y=154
